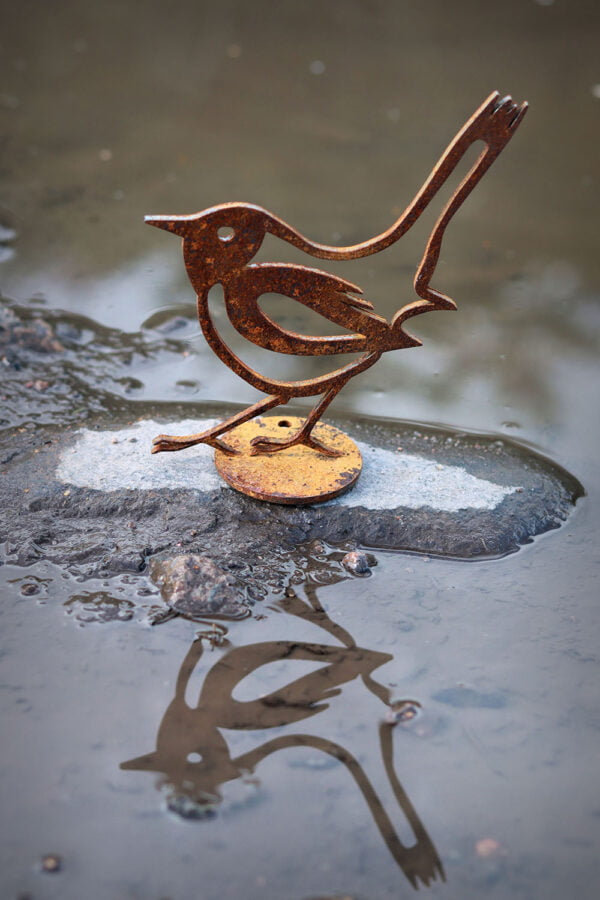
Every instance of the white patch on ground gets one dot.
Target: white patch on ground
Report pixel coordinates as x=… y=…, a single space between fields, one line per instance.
x=113 y=460
x=390 y=479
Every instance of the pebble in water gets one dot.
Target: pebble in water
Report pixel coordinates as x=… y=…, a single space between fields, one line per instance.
x=359 y=562
x=51 y=863
x=488 y=848
x=194 y=587
x=402 y=711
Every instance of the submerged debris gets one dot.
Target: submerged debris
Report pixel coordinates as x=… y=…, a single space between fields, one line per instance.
x=99 y=606
x=194 y=587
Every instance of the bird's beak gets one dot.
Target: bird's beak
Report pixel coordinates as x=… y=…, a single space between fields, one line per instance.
x=174 y=224
x=147 y=763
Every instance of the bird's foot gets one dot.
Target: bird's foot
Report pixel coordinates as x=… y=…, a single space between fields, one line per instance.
x=169 y=442
x=271 y=445
x=224 y=448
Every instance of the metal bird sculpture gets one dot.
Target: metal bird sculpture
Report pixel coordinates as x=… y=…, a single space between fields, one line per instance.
x=219 y=244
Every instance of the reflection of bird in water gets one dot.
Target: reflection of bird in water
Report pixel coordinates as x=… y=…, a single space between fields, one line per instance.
x=219 y=243
x=193 y=752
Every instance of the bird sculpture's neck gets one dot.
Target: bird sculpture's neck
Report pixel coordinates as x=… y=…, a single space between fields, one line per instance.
x=494 y=123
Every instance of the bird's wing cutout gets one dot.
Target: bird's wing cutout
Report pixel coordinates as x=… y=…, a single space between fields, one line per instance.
x=326 y=294
x=329 y=282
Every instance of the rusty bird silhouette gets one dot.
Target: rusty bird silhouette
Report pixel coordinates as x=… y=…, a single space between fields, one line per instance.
x=219 y=244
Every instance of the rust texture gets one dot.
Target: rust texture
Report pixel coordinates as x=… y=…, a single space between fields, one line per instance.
x=219 y=244
x=299 y=476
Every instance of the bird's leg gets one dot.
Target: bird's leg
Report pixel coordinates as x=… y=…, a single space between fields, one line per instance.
x=304 y=434
x=169 y=442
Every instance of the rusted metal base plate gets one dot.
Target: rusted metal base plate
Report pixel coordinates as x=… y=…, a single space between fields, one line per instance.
x=297 y=475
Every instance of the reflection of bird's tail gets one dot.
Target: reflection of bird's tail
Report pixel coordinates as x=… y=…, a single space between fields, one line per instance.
x=384 y=794
x=419 y=862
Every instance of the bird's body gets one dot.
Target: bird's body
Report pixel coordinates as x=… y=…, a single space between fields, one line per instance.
x=326 y=294
x=220 y=243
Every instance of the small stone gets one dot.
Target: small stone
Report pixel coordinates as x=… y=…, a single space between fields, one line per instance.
x=195 y=587
x=51 y=863
x=359 y=562
x=28 y=590
x=403 y=711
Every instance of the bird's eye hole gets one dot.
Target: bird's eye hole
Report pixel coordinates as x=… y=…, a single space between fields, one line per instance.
x=226 y=234
x=194 y=757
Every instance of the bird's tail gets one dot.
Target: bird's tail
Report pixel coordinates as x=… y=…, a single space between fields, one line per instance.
x=430 y=300
x=397 y=337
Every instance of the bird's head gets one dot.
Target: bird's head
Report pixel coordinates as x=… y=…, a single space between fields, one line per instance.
x=218 y=240
x=224 y=238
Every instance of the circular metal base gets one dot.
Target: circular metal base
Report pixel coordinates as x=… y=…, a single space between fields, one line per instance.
x=296 y=475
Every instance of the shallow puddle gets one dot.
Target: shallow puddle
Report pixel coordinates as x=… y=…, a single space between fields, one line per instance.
x=386 y=728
